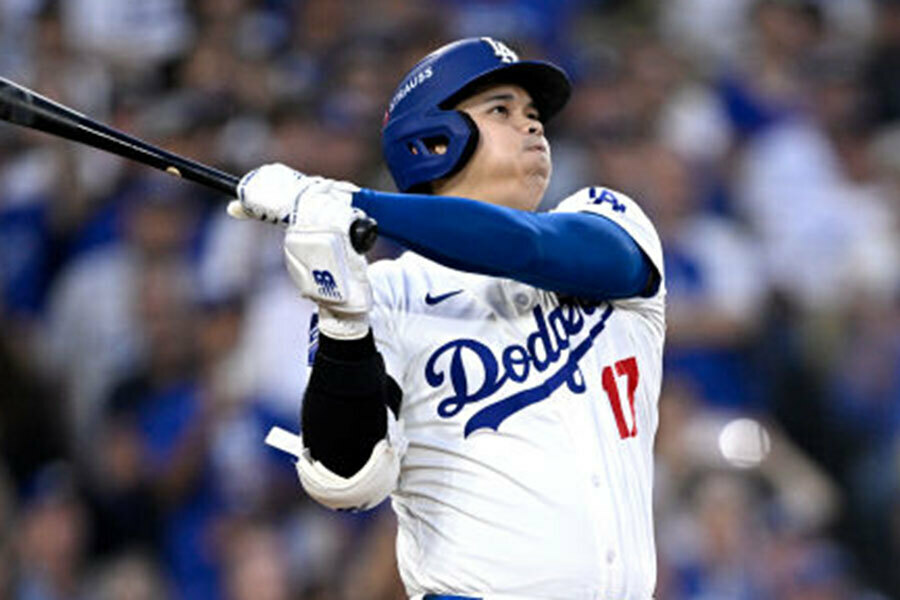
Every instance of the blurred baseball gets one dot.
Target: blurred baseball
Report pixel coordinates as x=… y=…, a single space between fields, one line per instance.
x=744 y=443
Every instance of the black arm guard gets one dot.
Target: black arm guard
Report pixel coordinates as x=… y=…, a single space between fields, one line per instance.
x=343 y=414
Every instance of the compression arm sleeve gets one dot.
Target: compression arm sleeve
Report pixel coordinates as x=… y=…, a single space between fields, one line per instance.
x=343 y=414
x=577 y=254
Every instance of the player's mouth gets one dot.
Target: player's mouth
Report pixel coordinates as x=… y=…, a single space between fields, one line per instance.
x=537 y=147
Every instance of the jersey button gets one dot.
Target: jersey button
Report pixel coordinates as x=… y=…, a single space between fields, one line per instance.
x=596 y=480
x=610 y=556
x=522 y=299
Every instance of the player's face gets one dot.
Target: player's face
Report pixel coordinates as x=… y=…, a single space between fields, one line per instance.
x=511 y=165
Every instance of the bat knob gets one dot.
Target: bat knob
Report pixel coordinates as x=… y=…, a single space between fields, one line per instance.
x=363 y=233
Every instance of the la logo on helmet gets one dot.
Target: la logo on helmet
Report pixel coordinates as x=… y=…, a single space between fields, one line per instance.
x=502 y=51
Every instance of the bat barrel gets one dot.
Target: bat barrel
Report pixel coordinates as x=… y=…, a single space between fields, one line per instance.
x=24 y=107
x=130 y=147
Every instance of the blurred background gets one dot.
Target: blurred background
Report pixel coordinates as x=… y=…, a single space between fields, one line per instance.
x=147 y=343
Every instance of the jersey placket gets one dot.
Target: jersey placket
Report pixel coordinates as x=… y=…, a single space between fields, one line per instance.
x=581 y=417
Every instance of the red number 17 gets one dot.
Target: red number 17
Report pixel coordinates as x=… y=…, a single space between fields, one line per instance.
x=629 y=368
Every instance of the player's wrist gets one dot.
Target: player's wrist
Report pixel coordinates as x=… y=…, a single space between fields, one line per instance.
x=343 y=326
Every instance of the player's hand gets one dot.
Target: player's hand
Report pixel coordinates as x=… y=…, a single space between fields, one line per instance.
x=270 y=194
x=322 y=262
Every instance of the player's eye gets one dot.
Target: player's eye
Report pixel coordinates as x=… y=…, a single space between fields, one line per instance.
x=499 y=109
x=533 y=114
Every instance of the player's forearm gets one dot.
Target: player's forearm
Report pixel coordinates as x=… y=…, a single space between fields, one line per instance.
x=572 y=253
x=343 y=415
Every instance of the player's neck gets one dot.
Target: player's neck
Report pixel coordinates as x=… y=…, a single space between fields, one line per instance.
x=501 y=195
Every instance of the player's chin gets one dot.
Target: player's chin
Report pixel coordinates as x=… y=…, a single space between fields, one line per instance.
x=537 y=163
x=538 y=169
x=536 y=183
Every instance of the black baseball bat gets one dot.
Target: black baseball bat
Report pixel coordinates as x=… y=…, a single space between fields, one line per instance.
x=24 y=107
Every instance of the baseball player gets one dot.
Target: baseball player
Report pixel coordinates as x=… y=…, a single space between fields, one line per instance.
x=499 y=381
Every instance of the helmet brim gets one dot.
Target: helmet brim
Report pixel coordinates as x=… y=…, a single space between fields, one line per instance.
x=546 y=83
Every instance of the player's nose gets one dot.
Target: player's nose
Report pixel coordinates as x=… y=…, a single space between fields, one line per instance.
x=534 y=127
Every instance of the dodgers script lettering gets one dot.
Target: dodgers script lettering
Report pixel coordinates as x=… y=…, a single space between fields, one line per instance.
x=549 y=345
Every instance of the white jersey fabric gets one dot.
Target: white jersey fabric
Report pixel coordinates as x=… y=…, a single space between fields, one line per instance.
x=530 y=423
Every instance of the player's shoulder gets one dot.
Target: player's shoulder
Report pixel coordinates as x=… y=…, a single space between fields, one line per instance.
x=622 y=210
x=600 y=199
x=628 y=214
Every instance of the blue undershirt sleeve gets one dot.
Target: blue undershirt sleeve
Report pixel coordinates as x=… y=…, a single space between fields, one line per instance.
x=579 y=254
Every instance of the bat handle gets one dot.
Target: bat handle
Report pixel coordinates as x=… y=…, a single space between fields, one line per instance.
x=363 y=232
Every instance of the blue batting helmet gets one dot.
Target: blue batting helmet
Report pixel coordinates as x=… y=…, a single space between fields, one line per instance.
x=421 y=115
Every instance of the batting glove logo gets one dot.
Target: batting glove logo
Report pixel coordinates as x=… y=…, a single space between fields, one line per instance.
x=327 y=285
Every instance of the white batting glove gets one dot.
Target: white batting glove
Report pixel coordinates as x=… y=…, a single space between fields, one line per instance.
x=270 y=194
x=322 y=262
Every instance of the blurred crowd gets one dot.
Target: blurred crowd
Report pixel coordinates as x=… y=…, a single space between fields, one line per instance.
x=147 y=343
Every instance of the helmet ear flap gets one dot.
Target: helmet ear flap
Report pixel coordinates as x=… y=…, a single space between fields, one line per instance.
x=409 y=145
x=471 y=144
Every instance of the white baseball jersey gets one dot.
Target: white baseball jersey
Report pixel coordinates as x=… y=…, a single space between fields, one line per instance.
x=530 y=423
